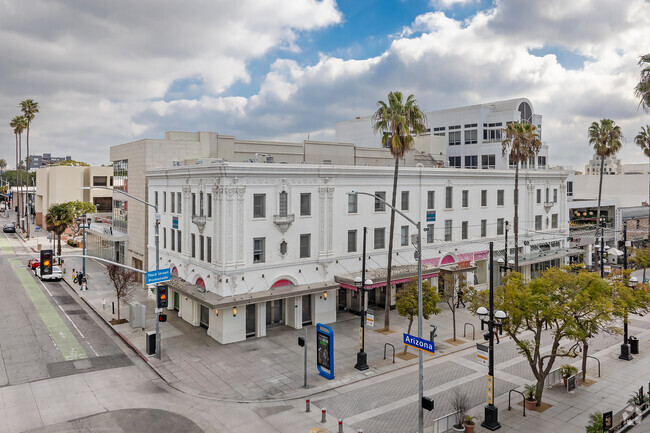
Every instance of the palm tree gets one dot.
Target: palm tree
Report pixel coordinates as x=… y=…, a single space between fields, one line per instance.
x=29 y=108
x=3 y=165
x=642 y=140
x=57 y=220
x=520 y=144
x=396 y=120
x=18 y=123
x=642 y=90
x=605 y=137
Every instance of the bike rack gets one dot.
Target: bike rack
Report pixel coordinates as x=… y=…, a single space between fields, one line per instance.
x=523 y=403
x=388 y=344
x=473 y=330
x=598 y=360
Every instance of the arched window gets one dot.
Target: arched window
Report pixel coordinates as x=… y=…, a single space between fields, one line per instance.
x=175 y=271
x=526 y=112
x=200 y=282
x=283 y=204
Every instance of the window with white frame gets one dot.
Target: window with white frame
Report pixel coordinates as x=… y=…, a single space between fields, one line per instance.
x=554 y=221
x=305 y=245
x=484 y=197
x=164 y=238
x=179 y=237
x=201 y=247
x=405 y=236
x=201 y=204
x=172 y=233
x=538 y=222
x=541 y=162
x=465 y=198
x=380 y=238
x=193 y=204
x=164 y=201
x=155 y=200
x=208 y=249
x=173 y=202
x=448 y=230
x=305 y=204
x=352 y=241
x=352 y=203
x=464 y=230
x=284 y=203
x=259 y=205
x=500 y=226
x=454 y=138
x=448 y=197
x=430 y=236
x=431 y=199
x=500 y=197
x=471 y=136
x=539 y=196
x=554 y=195
x=209 y=199
x=259 y=245
x=483 y=228
x=193 y=245
x=455 y=161
x=179 y=201
x=405 y=200
x=488 y=161
x=569 y=189
x=380 y=206
x=471 y=161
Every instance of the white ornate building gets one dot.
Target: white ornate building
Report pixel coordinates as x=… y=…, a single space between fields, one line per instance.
x=252 y=246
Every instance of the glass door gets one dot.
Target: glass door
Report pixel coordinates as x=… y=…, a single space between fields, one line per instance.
x=306 y=310
x=205 y=317
x=250 y=320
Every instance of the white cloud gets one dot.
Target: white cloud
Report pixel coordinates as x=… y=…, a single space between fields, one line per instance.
x=448 y=4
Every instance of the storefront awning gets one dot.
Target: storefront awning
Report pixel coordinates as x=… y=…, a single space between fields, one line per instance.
x=549 y=255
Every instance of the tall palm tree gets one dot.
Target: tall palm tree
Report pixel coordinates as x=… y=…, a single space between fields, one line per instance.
x=29 y=108
x=605 y=137
x=396 y=120
x=642 y=140
x=19 y=124
x=520 y=144
x=57 y=220
x=642 y=90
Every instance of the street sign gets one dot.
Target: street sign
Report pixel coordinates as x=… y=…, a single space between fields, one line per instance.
x=482 y=354
x=159 y=276
x=175 y=222
x=419 y=343
x=37 y=229
x=431 y=215
x=370 y=318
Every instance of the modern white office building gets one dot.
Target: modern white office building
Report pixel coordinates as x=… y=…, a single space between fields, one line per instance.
x=253 y=246
x=473 y=134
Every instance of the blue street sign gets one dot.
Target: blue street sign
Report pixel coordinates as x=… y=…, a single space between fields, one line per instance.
x=37 y=229
x=419 y=343
x=159 y=276
x=431 y=215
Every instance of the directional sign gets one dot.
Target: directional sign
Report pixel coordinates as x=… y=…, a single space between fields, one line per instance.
x=370 y=318
x=481 y=354
x=431 y=215
x=419 y=343
x=159 y=276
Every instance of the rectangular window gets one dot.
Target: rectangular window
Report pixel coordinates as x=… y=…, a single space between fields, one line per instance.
x=178 y=240
x=454 y=161
x=465 y=198
x=448 y=197
x=305 y=204
x=209 y=205
x=259 y=205
x=208 y=249
x=547 y=197
x=405 y=200
x=431 y=199
x=305 y=246
x=471 y=161
x=500 y=197
x=193 y=245
x=193 y=204
x=172 y=233
x=454 y=138
x=539 y=196
x=488 y=161
x=569 y=189
x=352 y=241
x=471 y=136
x=447 y=230
x=179 y=199
x=164 y=201
x=380 y=238
x=538 y=222
x=499 y=226
x=541 y=162
x=430 y=236
x=99 y=180
x=484 y=197
x=554 y=195
x=463 y=230
x=155 y=198
x=173 y=202
x=284 y=203
x=201 y=247
x=405 y=236
x=380 y=206
x=258 y=250
x=554 y=221
x=201 y=204
x=352 y=203
x=483 y=228
x=164 y=238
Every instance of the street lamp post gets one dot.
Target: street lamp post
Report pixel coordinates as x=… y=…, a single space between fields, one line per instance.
x=83 y=223
x=602 y=248
x=156 y=232
x=418 y=255
x=625 y=347
x=491 y=421
x=361 y=283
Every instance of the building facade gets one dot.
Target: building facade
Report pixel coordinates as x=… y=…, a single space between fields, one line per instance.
x=44 y=160
x=473 y=134
x=252 y=246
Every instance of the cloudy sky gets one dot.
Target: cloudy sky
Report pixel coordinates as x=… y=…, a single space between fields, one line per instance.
x=105 y=73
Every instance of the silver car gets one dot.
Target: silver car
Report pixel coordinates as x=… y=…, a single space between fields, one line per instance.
x=56 y=274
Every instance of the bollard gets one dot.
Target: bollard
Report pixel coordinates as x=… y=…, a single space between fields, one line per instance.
x=359 y=431
x=113 y=302
x=307 y=408
x=324 y=419
x=340 y=426
x=103 y=304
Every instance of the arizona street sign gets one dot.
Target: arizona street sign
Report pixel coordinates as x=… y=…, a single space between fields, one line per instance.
x=419 y=343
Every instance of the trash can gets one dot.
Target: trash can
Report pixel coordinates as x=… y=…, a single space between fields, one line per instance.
x=151 y=342
x=634 y=345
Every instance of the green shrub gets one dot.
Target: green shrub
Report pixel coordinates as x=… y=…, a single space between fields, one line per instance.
x=72 y=242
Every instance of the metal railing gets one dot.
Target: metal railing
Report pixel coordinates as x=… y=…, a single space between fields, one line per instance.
x=554 y=377
x=444 y=423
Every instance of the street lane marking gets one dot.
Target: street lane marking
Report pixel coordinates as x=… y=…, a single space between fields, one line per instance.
x=63 y=338
x=4 y=245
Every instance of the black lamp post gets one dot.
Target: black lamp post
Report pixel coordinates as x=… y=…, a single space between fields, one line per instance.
x=625 y=347
x=602 y=248
x=83 y=223
x=491 y=421
x=361 y=283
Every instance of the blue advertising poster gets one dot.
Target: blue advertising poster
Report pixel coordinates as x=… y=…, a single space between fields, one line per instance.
x=325 y=351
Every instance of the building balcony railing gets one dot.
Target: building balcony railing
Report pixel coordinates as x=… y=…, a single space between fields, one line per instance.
x=283 y=222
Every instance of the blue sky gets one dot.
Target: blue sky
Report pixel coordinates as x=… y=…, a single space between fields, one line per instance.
x=106 y=73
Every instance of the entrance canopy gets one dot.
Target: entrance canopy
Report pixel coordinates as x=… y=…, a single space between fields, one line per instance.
x=400 y=274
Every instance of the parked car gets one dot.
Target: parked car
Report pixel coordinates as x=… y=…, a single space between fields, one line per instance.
x=56 y=274
x=9 y=228
x=33 y=263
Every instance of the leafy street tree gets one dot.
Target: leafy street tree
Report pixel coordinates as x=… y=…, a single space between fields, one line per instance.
x=641 y=258
x=3 y=165
x=11 y=176
x=642 y=90
x=396 y=120
x=29 y=108
x=520 y=144
x=124 y=282
x=57 y=219
x=642 y=140
x=77 y=209
x=449 y=285
x=406 y=302
x=605 y=137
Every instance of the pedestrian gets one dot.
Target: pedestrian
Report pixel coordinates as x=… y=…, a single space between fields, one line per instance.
x=460 y=299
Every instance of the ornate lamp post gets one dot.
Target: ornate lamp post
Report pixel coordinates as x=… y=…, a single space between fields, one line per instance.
x=83 y=223
x=625 y=347
x=361 y=283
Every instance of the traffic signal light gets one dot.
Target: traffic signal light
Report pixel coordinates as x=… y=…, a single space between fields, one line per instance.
x=162 y=317
x=46 y=262
x=161 y=296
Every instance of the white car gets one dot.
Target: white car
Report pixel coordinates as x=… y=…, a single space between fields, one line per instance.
x=55 y=275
